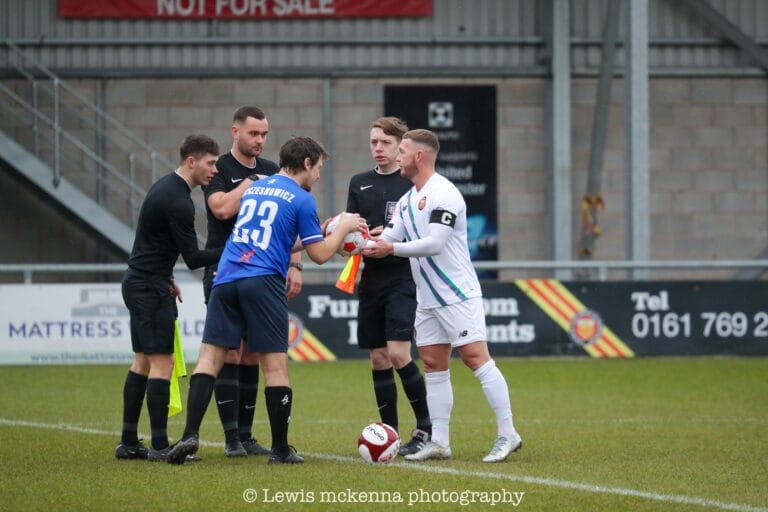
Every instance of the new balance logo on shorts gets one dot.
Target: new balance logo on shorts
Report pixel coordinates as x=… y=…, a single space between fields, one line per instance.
x=463 y=333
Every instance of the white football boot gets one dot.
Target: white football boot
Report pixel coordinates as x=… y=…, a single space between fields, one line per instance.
x=503 y=447
x=431 y=451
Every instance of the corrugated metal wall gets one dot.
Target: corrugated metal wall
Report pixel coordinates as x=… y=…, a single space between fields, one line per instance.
x=464 y=37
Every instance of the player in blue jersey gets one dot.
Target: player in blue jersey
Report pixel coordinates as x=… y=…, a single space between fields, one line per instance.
x=248 y=297
x=238 y=381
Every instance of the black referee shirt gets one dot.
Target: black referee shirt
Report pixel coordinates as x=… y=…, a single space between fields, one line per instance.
x=231 y=173
x=166 y=229
x=374 y=197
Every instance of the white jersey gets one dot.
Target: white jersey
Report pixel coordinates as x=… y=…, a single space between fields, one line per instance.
x=448 y=277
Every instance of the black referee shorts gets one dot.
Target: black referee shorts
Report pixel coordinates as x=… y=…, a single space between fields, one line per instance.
x=387 y=308
x=153 y=312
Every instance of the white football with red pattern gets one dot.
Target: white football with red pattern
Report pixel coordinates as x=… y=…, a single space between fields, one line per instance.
x=378 y=443
x=353 y=243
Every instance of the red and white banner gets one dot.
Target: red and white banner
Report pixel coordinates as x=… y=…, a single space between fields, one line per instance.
x=242 y=9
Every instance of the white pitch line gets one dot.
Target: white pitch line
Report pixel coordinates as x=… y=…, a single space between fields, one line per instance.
x=524 y=421
x=548 y=482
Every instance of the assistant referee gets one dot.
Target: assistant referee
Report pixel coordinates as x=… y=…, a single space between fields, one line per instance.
x=165 y=229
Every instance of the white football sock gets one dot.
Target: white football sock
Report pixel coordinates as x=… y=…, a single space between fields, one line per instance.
x=440 y=403
x=496 y=392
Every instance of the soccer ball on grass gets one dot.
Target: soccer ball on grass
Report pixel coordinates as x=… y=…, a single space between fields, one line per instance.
x=378 y=443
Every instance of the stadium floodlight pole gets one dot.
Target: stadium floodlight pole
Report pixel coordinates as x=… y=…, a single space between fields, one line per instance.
x=636 y=128
x=56 y=135
x=560 y=132
x=328 y=138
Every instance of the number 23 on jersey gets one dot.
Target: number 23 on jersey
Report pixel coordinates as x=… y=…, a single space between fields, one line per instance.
x=254 y=222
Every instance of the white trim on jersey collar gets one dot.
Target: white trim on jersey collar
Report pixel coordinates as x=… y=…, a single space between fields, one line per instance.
x=377 y=170
x=255 y=161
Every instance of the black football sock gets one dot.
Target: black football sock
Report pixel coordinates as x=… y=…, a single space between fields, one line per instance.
x=279 y=400
x=386 y=395
x=200 y=391
x=133 y=398
x=158 y=396
x=249 y=385
x=416 y=391
x=227 y=399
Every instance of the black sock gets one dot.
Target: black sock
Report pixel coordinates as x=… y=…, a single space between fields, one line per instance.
x=200 y=391
x=227 y=399
x=386 y=395
x=249 y=385
x=158 y=396
x=133 y=398
x=416 y=391
x=279 y=400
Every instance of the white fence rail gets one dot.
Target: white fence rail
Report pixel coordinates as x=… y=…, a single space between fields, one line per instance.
x=588 y=270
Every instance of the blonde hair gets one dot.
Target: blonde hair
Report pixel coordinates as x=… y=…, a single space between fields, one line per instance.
x=425 y=137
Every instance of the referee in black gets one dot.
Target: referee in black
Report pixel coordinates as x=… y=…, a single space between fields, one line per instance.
x=237 y=384
x=387 y=293
x=165 y=230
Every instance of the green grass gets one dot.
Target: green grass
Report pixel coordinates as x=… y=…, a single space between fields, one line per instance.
x=674 y=427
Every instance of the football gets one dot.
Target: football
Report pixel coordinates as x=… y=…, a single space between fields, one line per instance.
x=353 y=243
x=378 y=443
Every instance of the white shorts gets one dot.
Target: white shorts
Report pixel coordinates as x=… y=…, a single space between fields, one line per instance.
x=458 y=324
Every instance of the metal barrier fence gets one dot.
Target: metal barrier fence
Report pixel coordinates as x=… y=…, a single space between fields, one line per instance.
x=66 y=129
x=582 y=270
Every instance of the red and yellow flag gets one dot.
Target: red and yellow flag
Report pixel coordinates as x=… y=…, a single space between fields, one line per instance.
x=348 y=276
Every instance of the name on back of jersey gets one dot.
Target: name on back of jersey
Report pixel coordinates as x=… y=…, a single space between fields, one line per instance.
x=270 y=191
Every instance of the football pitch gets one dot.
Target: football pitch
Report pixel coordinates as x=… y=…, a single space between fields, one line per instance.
x=642 y=435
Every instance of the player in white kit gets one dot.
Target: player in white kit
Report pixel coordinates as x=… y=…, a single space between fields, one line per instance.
x=432 y=219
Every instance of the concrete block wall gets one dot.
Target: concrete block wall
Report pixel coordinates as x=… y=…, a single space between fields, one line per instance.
x=35 y=230
x=709 y=138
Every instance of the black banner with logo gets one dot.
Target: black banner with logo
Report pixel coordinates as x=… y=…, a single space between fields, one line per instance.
x=464 y=119
x=596 y=319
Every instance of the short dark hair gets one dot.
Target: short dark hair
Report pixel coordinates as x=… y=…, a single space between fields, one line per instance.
x=392 y=126
x=244 y=113
x=425 y=137
x=296 y=149
x=197 y=146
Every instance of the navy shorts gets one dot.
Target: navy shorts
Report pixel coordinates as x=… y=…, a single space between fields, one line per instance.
x=255 y=308
x=208 y=274
x=153 y=312
x=386 y=310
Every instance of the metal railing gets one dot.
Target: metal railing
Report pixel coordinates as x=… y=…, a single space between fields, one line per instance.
x=77 y=139
x=584 y=270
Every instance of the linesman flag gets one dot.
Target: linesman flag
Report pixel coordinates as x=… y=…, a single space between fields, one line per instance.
x=179 y=370
x=348 y=276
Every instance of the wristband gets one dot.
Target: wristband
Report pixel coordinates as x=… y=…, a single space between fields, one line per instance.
x=296 y=265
